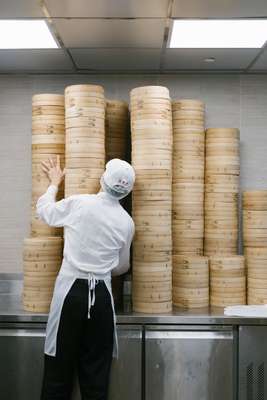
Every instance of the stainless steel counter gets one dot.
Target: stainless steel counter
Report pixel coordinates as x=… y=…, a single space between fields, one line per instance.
x=11 y=311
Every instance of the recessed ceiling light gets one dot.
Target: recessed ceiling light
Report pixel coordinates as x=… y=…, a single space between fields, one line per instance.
x=26 y=34
x=209 y=60
x=250 y=33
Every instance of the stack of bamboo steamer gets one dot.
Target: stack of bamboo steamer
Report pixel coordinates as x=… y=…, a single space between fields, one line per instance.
x=117 y=124
x=221 y=191
x=85 y=138
x=255 y=243
x=190 y=281
x=42 y=260
x=188 y=176
x=42 y=253
x=117 y=127
x=227 y=281
x=151 y=127
x=48 y=140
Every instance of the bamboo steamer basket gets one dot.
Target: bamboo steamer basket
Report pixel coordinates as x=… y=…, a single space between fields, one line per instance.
x=190 y=273
x=48 y=140
x=232 y=133
x=188 y=104
x=227 y=280
x=46 y=99
x=48 y=110
x=152 y=159
x=85 y=138
x=153 y=307
x=42 y=260
x=39 y=228
x=188 y=174
x=116 y=133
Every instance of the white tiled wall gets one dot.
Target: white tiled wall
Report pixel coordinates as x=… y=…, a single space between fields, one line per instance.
x=231 y=100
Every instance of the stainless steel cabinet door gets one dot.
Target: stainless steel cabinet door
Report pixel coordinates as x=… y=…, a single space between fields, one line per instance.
x=189 y=364
x=126 y=372
x=21 y=363
x=252 y=363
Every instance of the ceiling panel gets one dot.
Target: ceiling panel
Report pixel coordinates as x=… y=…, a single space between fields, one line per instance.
x=34 y=60
x=107 y=8
x=117 y=59
x=261 y=63
x=20 y=9
x=219 y=9
x=110 y=33
x=193 y=59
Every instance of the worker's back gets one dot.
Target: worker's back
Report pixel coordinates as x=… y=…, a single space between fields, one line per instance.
x=97 y=233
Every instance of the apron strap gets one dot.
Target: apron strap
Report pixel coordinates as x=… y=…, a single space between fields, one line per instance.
x=92 y=281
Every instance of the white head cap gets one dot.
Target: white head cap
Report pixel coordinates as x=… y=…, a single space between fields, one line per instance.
x=118 y=178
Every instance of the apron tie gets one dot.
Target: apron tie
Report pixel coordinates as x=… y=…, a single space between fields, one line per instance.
x=92 y=281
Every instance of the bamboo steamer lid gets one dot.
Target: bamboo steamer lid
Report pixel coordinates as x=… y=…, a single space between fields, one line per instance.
x=84 y=101
x=84 y=89
x=147 y=101
x=257 y=195
x=45 y=99
x=188 y=104
x=222 y=133
x=149 y=91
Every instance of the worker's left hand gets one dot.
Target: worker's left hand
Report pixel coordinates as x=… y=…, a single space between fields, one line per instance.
x=53 y=171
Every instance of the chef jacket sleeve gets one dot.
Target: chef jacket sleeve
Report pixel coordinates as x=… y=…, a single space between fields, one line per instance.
x=52 y=212
x=124 y=255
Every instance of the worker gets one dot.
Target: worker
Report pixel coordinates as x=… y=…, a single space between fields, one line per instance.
x=81 y=329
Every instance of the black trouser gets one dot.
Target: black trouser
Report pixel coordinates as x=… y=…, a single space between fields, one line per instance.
x=82 y=343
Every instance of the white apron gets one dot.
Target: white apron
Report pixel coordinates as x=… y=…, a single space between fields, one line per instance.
x=65 y=279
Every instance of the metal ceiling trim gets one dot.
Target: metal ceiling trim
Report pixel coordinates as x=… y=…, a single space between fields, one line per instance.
x=55 y=33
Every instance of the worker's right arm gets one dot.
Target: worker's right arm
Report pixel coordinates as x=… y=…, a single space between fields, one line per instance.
x=124 y=255
x=56 y=213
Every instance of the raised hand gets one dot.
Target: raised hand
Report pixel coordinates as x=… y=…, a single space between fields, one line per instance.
x=53 y=171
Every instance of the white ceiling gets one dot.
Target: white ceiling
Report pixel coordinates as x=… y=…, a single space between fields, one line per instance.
x=127 y=35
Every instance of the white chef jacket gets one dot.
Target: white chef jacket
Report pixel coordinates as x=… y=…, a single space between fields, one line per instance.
x=98 y=233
